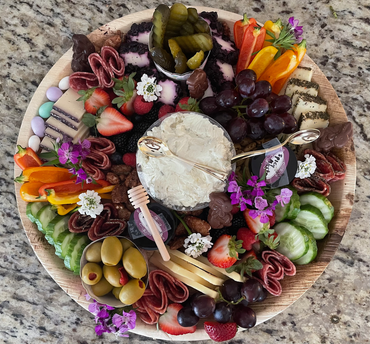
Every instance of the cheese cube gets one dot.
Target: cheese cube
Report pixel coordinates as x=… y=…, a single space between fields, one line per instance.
x=306 y=103
x=313 y=119
x=303 y=73
x=297 y=85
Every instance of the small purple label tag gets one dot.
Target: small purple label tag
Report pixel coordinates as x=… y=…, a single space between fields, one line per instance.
x=275 y=164
x=141 y=224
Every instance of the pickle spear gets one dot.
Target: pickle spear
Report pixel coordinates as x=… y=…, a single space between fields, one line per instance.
x=193 y=43
x=178 y=17
x=161 y=16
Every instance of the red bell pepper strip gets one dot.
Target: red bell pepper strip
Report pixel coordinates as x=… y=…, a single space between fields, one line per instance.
x=252 y=42
x=26 y=157
x=240 y=27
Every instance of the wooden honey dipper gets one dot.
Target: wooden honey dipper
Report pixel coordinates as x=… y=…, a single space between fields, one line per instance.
x=139 y=199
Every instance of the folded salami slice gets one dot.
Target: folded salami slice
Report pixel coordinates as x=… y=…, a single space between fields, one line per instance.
x=100 y=229
x=323 y=167
x=83 y=81
x=277 y=259
x=102 y=145
x=101 y=70
x=99 y=160
x=338 y=165
x=79 y=223
x=312 y=183
x=92 y=170
x=271 y=284
x=113 y=60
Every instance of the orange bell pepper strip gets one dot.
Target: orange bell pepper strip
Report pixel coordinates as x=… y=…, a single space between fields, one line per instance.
x=300 y=51
x=274 y=28
x=54 y=198
x=262 y=60
x=30 y=192
x=64 y=209
x=240 y=27
x=252 y=42
x=45 y=174
x=26 y=157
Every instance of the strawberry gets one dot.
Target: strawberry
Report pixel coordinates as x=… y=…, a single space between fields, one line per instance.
x=141 y=107
x=164 y=110
x=272 y=219
x=94 y=98
x=235 y=209
x=169 y=324
x=247 y=236
x=124 y=276
x=225 y=251
x=187 y=104
x=255 y=225
x=220 y=332
x=125 y=89
x=129 y=159
x=248 y=264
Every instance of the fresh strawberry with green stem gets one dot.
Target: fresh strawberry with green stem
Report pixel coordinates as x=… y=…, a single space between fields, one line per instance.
x=164 y=110
x=248 y=264
x=220 y=332
x=255 y=225
x=142 y=107
x=108 y=121
x=247 y=236
x=225 y=251
x=125 y=89
x=187 y=104
x=94 y=98
x=169 y=324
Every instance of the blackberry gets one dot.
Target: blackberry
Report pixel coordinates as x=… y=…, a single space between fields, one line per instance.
x=204 y=214
x=152 y=115
x=120 y=141
x=142 y=127
x=132 y=142
x=216 y=233
x=238 y=221
x=116 y=158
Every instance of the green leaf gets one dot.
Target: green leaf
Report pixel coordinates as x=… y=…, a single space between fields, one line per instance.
x=119 y=92
x=48 y=155
x=89 y=119
x=52 y=162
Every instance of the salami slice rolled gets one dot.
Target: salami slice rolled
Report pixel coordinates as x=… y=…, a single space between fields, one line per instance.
x=277 y=259
x=102 y=145
x=312 y=183
x=323 y=167
x=101 y=70
x=100 y=228
x=92 y=170
x=338 y=165
x=79 y=223
x=113 y=60
x=83 y=81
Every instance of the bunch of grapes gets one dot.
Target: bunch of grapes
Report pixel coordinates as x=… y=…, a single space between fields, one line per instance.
x=250 y=108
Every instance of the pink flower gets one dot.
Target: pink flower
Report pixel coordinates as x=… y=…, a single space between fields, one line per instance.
x=284 y=197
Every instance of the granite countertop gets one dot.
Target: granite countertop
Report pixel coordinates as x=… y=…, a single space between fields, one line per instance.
x=33 y=36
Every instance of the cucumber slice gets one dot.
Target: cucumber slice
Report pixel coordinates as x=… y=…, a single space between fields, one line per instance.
x=293 y=240
x=61 y=247
x=44 y=216
x=311 y=253
x=312 y=219
x=294 y=205
x=290 y=210
x=58 y=225
x=320 y=202
x=74 y=251
x=33 y=208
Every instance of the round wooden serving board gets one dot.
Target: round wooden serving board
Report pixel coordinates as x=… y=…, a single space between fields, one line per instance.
x=342 y=196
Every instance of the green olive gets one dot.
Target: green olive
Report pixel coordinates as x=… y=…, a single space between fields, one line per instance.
x=112 y=275
x=132 y=291
x=126 y=244
x=134 y=263
x=93 y=253
x=102 y=287
x=116 y=292
x=111 y=251
x=91 y=273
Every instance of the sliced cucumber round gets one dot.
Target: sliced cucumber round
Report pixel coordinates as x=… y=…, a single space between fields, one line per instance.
x=293 y=240
x=320 y=202
x=55 y=227
x=44 y=216
x=62 y=243
x=311 y=253
x=312 y=219
x=33 y=208
x=75 y=249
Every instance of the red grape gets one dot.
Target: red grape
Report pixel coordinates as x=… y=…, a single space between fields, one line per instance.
x=262 y=296
x=290 y=123
x=271 y=97
x=224 y=116
x=245 y=73
x=256 y=130
x=203 y=306
x=263 y=89
x=208 y=106
x=186 y=317
x=251 y=290
x=274 y=124
x=231 y=290
x=237 y=129
x=244 y=316
x=281 y=104
x=228 y=98
x=227 y=85
x=223 y=312
x=246 y=87
x=258 y=108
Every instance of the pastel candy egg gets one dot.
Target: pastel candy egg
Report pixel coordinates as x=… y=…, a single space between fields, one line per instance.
x=54 y=93
x=44 y=109
x=64 y=83
x=34 y=142
x=38 y=126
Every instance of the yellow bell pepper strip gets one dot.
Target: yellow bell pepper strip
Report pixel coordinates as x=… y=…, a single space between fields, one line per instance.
x=280 y=68
x=45 y=174
x=274 y=28
x=105 y=196
x=26 y=157
x=262 y=60
x=300 y=51
x=252 y=42
x=240 y=27
x=64 y=209
x=30 y=192
x=54 y=198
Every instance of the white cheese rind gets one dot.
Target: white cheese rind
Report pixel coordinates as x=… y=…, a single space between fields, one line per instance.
x=313 y=120
x=302 y=73
x=304 y=105
x=294 y=85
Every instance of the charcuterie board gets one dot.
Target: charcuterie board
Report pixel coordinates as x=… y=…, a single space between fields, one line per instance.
x=342 y=197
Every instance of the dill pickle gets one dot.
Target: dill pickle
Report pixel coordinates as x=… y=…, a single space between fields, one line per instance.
x=194 y=43
x=178 y=16
x=174 y=47
x=181 y=63
x=163 y=58
x=201 y=26
x=161 y=16
x=192 y=15
x=187 y=29
x=196 y=60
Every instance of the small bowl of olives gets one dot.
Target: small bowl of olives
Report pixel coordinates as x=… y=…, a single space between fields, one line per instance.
x=114 y=271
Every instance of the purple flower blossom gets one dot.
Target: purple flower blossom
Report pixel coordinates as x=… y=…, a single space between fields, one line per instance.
x=66 y=152
x=257 y=191
x=81 y=175
x=260 y=203
x=103 y=314
x=298 y=30
x=284 y=197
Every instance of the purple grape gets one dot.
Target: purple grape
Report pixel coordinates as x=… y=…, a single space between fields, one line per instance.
x=231 y=290
x=224 y=116
x=281 y=104
x=223 y=312
x=246 y=87
x=263 y=89
x=245 y=73
x=274 y=124
x=208 y=106
x=203 y=306
x=258 y=108
x=237 y=129
x=227 y=85
x=255 y=129
x=186 y=317
x=290 y=123
x=228 y=98
x=262 y=296
x=244 y=316
x=251 y=290
x=271 y=97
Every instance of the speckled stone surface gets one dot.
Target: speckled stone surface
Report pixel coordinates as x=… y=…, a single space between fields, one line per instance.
x=34 y=34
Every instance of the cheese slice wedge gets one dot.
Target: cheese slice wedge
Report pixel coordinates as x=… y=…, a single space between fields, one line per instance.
x=233 y=275
x=303 y=86
x=303 y=73
x=306 y=103
x=313 y=119
x=68 y=104
x=183 y=275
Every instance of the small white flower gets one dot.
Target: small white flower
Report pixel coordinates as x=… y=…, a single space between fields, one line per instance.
x=306 y=168
x=195 y=244
x=148 y=88
x=90 y=203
